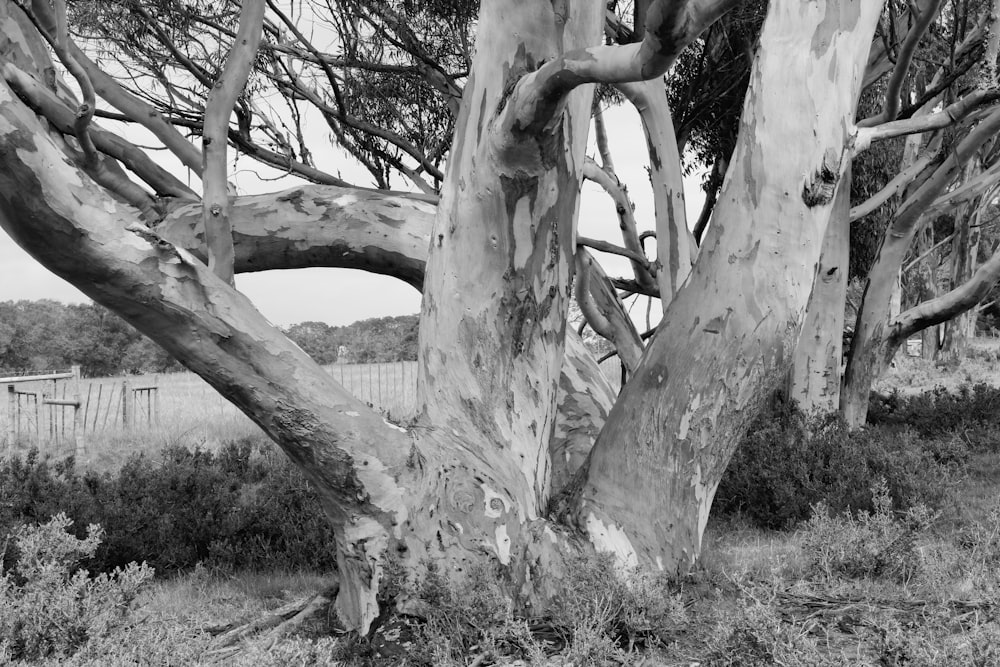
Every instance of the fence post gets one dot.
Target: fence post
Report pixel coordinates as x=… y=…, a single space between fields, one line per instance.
x=11 y=424
x=156 y=398
x=39 y=404
x=125 y=405
x=79 y=444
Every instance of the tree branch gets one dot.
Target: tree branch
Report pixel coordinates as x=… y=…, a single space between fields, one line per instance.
x=134 y=108
x=604 y=246
x=604 y=310
x=893 y=187
x=950 y=304
x=675 y=246
x=221 y=100
x=903 y=60
x=45 y=102
x=317 y=225
x=641 y=268
x=671 y=25
x=950 y=115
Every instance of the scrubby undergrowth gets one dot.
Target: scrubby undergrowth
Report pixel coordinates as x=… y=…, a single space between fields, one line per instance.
x=866 y=570
x=241 y=508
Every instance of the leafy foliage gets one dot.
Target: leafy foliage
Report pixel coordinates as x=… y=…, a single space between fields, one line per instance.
x=373 y=340
x=37 y=335
x=866 y=544
x=48 y=606
x=787 y=464
x=235 y=509
x=971 y=414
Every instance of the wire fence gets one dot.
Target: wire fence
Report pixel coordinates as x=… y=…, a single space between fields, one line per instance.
x=73 y=414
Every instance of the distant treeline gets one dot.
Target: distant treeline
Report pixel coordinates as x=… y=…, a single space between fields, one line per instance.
x=368 y=341
x=46 y=335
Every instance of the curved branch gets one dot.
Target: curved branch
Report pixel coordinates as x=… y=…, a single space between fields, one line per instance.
x=316 y=225
x=671 y=25
x=134 y=108
x=893 y=187
x=947 y=306
x=604 y=310
x=675 y=247
x=60 y=43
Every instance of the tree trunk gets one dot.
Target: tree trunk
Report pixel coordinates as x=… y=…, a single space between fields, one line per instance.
x=814 y=379
x=727 y=339
x=874 y=343
x=964 y=253
x=925 y=278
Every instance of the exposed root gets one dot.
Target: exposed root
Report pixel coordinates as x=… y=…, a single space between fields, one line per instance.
x=233 y=639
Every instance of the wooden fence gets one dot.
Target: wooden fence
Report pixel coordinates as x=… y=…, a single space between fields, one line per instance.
x=51 y=407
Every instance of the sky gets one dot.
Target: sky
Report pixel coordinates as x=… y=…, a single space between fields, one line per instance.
x=341 y=296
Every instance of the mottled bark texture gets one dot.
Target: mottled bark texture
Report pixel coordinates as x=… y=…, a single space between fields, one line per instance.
x=472 y=481
x=814 y=379
x=656 y=465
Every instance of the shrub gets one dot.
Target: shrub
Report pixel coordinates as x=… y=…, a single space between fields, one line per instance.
x=786 y=464
x=873 y=544
x=234 y=509
x=971 y=412
x=47 y=605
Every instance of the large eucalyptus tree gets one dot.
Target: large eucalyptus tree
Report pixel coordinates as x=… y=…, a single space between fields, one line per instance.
x=517 y=456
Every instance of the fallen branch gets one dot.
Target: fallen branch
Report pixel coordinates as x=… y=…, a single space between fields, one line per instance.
x=231 y=640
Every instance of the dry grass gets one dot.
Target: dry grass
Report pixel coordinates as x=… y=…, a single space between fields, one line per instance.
x=913 y=375
x=184 y=411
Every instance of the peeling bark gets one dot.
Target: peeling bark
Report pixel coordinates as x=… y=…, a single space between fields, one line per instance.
x=656 y=465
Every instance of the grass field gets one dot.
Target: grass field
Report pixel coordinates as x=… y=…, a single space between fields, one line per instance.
x=184 y=411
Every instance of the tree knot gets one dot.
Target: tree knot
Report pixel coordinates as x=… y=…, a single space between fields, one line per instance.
x=819 y=189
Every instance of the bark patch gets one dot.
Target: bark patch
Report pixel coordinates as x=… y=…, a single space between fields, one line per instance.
x=819 y=190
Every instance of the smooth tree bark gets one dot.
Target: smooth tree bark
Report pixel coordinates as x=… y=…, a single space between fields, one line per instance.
x=873 y=348
x=675 y=245
x=964 y=262
x=923 y=277
x=814 y=379
x=657 y=463
x=502 y=419
x=218 y=109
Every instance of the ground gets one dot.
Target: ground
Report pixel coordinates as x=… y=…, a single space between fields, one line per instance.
x=882 y=590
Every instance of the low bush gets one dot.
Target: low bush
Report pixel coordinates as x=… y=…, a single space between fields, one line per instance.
x=50 y=607
x=971 y=413
x=875 y=544
x=786 y=464
x=236 y=509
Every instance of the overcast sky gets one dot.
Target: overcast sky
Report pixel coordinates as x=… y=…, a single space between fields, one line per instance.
x=342 y=296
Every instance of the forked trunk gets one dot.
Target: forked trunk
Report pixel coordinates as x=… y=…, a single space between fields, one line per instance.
x=728 y=336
